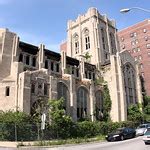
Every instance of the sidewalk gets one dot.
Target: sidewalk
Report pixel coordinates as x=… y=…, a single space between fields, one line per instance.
x=13 y=144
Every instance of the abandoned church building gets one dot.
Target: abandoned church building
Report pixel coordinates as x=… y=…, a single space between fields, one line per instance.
x=90 y=52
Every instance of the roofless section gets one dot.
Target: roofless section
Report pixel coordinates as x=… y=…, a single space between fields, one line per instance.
x=28 y=48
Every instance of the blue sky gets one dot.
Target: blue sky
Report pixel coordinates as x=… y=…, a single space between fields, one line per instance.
x=45 y=21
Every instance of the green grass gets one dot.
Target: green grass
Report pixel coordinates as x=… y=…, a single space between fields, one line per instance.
x=69 y=141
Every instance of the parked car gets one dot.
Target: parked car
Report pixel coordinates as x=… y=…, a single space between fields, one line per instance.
x=141 y=129
x=121 y=134
x=146 y=137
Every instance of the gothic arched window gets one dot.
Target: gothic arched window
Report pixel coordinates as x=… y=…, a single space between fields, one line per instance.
x=63 y=92
x=86 y=38
x=103 y=38
x=112 y=43
x=82 y=99
x=76 y=43
x=129 y=83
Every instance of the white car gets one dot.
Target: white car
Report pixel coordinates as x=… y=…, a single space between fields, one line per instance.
x=146 y=137
x=141 y=129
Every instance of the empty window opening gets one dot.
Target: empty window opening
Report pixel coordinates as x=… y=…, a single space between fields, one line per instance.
x=52 y=66
x=27 y=59
x=21 y=58
x=7 y=91
x=34 y=62
x=46 y=64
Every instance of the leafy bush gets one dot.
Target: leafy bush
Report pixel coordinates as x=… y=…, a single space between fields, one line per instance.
x=87 y=129
x=135 y=114
x=147 y=109
x=14 y=126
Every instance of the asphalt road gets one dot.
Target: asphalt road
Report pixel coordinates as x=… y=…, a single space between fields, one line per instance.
x=135 y=144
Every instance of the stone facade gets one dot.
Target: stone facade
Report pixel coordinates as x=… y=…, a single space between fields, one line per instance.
x=30 y=73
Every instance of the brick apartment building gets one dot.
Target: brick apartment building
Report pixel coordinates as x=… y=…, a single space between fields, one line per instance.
x=136 y=40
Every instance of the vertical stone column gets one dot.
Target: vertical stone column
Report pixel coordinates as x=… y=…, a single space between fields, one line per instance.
x=69 y=39
x=92 y=99
x=15 y=48
x=82 y=68
x=138 y=85
x=108 y=39
x=73 y=98
x=122 y=99
x=24 y=92
x=41 y=56
x=63 y=61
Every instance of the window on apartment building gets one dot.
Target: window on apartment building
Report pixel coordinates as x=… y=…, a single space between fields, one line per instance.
x=142 y=74
x=133 y=43
x=146 y=38
x=136 y=41
x=139 y=57
x=27 y=60
x=148 y=46
x=140 y=66
x=7 y=92
x=21 y=58
x=135 y=58
x=134 y=34
x=46 y=64
x=133 y=50
x=34 y=62
x=131 y=35
x=148 y=54
x=138 y=49
x=144 y=30
x=122 y=39
x=123 y=46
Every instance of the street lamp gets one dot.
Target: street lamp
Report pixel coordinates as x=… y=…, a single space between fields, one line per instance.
x=125 y=10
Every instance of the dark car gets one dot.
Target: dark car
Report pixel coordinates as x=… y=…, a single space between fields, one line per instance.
x=121 y=134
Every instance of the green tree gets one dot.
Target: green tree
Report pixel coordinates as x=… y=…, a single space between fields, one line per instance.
x=60 y=122
x=107 y=103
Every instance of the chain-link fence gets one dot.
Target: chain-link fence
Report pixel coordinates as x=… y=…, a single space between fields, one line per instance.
x=24 y=132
